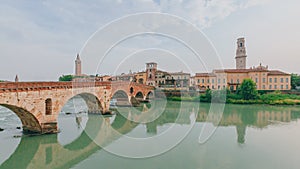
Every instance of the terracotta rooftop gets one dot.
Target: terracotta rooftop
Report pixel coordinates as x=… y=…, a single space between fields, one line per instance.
x=237 y=70
x=204 y=74
x=179 y=73
x=277 y=72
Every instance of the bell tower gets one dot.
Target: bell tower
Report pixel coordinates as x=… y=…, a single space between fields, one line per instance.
x=240 y=58
x=77 y=66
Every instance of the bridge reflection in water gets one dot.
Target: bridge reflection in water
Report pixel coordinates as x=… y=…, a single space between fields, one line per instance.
x=46 y=152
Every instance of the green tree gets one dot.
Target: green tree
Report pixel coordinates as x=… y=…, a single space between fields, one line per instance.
x=248 y=90
x=208 y=95
x=295 y=80
x=65 y=78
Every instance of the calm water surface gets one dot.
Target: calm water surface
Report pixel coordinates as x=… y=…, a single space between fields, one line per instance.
x=248 y=137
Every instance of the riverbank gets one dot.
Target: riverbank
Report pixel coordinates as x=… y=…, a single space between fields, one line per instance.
x=269 y=99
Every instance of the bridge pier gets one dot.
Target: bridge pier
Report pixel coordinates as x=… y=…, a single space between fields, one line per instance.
x=49 y=128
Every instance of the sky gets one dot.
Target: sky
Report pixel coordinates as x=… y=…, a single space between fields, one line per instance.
x=40 y=39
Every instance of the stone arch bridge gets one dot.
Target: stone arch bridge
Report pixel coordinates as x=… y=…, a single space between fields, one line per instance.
x=38 y=104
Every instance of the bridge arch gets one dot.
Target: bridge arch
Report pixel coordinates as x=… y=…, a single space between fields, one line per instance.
x=92 y=102
x=29 y=121
x=139 y=95
x=120 y=98
x=150 y=95
x=120 y=93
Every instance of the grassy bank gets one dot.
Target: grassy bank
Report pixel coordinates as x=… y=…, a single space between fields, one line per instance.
x=275 y=98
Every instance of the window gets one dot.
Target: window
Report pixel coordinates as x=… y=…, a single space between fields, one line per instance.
x=275 y=86
x=48 y=103
x=275 y=80
x=238 y=80
x=231 y=80
x=287 y=80
x=281 y=80
x=198 y=81
x=219 y=81
x=224 y=81
x=219 y=87
x=270 y=80
x=213 y=87
x=264 y=80
x=241 y=44
x=202 y=80
x=264 y=87
x=281 y=87
x=213 y=80
x=270 y=87
x=223 y=86
x=287 y=86
x=256 y=80
x=207 y=80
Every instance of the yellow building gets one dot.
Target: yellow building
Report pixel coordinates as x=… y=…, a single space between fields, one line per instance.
x=264 y=78
x=141 y=77
x=204 y=81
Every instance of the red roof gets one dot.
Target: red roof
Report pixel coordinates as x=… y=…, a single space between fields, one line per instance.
x=277 y=72
x=204 y=74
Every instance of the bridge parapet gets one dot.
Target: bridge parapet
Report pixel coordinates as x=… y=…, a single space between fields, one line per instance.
x=30 y=86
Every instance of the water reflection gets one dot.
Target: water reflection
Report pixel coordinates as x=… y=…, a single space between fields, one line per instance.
x=47 y=152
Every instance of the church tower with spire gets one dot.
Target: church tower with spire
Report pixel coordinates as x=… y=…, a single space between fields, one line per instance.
x=78 y=66
x=241 y=56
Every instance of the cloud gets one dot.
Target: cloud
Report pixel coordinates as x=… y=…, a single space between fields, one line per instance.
x=205 y=12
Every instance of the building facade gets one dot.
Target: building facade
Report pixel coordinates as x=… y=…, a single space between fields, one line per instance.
x=181 y=79
x=141 y=77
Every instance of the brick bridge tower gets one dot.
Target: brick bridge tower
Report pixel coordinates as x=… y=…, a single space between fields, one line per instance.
x=150 y=73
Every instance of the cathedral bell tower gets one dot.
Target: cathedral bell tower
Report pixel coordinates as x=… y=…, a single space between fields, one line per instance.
x=77 y=66
x=241 y=56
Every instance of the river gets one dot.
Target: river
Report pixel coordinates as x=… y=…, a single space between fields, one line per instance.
x=247 y=137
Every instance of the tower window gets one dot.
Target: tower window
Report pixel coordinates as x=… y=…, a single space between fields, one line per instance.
x=48 y=106
x=241 y=44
